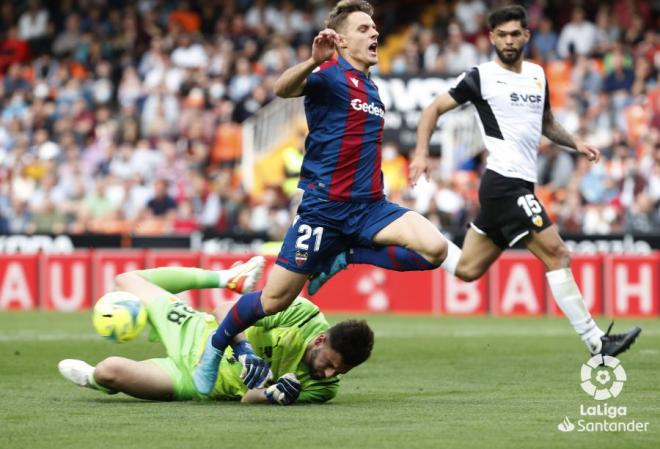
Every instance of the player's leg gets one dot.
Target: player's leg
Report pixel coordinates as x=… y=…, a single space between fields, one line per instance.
x=143 y=380
x=413 y=242
x=478 y=254
x=549 y=247
x=282 y=287
x=397 y=239
x=240 y=278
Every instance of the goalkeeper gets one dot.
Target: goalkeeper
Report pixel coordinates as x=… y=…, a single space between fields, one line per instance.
x=292 y=356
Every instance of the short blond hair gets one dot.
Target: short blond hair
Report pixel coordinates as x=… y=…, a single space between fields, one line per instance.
x=343 y=9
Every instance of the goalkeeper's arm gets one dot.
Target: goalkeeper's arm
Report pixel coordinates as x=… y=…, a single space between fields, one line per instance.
x=284 y=392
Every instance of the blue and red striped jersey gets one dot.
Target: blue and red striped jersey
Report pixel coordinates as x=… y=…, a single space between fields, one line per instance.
x=345 y=117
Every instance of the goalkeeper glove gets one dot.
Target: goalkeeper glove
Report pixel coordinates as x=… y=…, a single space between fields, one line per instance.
x=285 y=391
x=256 y=371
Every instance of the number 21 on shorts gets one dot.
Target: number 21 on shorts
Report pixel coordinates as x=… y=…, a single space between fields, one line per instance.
x=306 y=232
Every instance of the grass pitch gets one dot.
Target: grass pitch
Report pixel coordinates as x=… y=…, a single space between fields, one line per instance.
x=431 y=383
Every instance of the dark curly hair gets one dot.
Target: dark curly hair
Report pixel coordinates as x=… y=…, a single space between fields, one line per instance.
x=343 y=9
x=507 y=14
x=353 y=339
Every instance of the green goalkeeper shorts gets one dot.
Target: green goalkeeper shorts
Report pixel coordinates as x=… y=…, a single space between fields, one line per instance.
x=183 y=330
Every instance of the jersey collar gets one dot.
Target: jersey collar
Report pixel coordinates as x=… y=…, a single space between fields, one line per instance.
x=344 y=64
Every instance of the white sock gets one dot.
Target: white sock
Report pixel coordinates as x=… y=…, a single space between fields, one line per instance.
x=224 y=276
x=453 y=255
x=569 y=299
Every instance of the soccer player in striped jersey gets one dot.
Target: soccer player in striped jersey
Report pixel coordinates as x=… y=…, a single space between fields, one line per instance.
x=343 y=206
x=511 y=98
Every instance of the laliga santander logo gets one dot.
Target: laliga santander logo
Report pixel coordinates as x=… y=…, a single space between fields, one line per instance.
x=370 y=108
x=602 y=377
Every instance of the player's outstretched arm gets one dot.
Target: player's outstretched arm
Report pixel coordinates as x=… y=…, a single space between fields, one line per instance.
x=419 y=161
x=284 y=392
x=292 y=82
x=553 y=130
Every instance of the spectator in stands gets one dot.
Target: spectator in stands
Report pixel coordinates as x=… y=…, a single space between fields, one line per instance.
x=13 y=49
x=459 y=55
x=18 y=217
x=578 y=37
x=243 y=81
x=643 y=215
x=67 y=41
x=544 y=41
x=620 y=78
x=470 y=15
x=189 y=54
x=185 y=221
x=8 y=16
x=607 y=31
x=33 y=23
x=185 y=17
x=161 y=204
x=429 y=48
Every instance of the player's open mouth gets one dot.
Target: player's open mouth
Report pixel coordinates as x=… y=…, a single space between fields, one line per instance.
x=373 y=48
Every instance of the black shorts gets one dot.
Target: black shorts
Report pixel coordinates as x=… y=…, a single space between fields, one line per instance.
x=509 y=210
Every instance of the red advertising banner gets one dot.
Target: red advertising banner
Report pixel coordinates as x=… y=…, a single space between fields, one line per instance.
x=364 y=288
x=18 y=282
x=462 y=298
x=588 y=274
x=65 y=281
x=616 y=285
x=517 y=285
x=109 y=263
x=632 y=285
x=156 y=258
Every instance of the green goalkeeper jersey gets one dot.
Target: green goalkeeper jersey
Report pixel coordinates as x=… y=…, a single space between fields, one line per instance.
x=281 y=340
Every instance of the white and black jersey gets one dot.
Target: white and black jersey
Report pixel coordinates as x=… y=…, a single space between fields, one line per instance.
x=510 y=108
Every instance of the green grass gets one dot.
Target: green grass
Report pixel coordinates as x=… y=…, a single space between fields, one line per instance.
x=431 y=383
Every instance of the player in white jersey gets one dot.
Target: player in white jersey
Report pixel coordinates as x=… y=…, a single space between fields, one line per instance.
x=511 y=99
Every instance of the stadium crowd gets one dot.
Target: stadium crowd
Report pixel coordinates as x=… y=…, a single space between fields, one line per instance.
x=121 y=116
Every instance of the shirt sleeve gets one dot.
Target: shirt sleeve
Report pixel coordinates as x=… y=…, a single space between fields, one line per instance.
x=468 y=87
x=319 y=392
x=546 y=103
x=298 y=313
x=316 y=84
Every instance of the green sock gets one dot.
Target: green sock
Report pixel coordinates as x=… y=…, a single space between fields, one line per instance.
x=179 y=279
x=97 y=386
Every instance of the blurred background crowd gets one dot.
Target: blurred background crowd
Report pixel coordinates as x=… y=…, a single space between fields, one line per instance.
x=125 y=116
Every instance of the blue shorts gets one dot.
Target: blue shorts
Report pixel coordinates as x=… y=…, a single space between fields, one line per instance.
x=323 y=228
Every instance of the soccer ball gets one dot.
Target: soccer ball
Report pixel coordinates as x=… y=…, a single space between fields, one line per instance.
x=119 y=316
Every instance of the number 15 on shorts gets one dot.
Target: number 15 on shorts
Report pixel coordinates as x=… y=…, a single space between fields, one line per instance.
x=529 y=204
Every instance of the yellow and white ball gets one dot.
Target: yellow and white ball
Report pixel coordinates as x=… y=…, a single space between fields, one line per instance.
x=119 y=316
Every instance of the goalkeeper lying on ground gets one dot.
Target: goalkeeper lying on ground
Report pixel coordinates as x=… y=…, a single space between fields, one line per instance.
x=306 y=355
